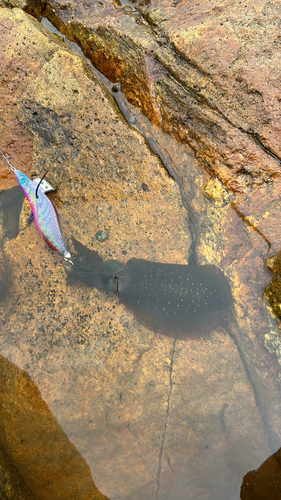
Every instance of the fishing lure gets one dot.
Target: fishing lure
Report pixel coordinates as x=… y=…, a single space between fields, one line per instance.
x=44 y=213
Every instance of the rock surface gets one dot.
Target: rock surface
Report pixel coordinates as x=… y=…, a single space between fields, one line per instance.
x=265 y=482
x=209 y=74
x=38 y=448
x=11 y=484
x=152 y=418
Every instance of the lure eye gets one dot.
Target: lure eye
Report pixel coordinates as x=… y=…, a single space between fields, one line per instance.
x=22 y=180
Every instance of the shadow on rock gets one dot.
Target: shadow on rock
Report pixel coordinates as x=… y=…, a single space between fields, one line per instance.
x=265 y=482
x=180 y=301
x=36 y=446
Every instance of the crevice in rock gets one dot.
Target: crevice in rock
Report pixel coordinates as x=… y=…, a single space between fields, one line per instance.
x=204 y=101
x=248 y=223
x=263 y=147
x=163 y=435
x=153 y=144
x=182 y=59
x=45 y=8
x=273 y=438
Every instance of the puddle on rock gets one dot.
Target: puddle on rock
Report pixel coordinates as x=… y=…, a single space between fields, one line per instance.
x=47 y=463
x=147 y=415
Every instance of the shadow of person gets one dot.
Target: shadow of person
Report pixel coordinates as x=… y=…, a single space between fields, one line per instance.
x=34 y=445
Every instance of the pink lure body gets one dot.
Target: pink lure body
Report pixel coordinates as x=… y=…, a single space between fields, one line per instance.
x=44 y=213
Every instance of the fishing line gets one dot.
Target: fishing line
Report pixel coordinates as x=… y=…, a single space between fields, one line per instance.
x=36 y=192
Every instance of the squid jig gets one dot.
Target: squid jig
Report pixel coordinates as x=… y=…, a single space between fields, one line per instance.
x=44 y=213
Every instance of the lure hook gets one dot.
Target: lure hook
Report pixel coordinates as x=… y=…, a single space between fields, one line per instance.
x=11 y=167
x=36 y=192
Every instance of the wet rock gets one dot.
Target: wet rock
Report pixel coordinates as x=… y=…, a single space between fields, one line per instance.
x=16 y=140
x=10 y=208
x=21 y=4
x=98 y=165
x=193 y=70
x=102 y=235
x=216 y=192
x=11 y=484
x=273 y=292
x=145 y=412
x=115 y=41
x=225 y=73
x=41 y=455
x=265 y=482
x=223 y=238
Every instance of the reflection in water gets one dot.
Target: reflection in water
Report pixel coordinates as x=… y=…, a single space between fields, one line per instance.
x=180 y=301
x=48 y=463
x=265 y=482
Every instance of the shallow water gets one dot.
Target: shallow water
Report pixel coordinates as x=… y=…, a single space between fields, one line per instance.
x=131 y=412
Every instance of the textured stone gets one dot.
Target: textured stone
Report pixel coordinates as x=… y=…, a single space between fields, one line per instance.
x=116 y=42
x=14 y=137
x=152 y=418
x=38 y=448
x=116 y=415
x=208 y=74
x=273 y=292
x=265 y=482
x=226 y=58
x=11 y=485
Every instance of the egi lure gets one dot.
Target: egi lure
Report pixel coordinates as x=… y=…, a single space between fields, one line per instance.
x=45 y=216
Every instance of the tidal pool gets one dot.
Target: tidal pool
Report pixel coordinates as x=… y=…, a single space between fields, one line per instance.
x=94 y=404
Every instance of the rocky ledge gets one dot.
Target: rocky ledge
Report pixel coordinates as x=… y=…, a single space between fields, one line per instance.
x=150 y=416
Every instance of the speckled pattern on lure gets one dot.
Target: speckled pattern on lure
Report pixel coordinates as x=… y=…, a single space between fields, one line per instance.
x=45 y=216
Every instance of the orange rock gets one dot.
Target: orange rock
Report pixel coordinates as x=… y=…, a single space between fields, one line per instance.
x=146 y=413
